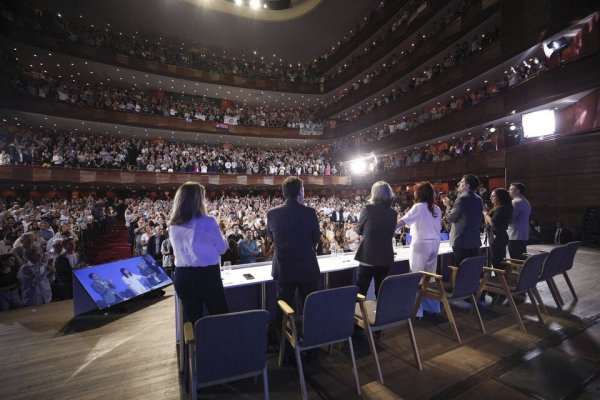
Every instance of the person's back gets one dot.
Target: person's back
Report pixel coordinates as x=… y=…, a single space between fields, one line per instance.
x=294 y=229
x=518 y=229
x=465 y=228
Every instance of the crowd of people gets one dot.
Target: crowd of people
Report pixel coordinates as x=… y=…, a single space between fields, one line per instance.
x=42 y=241
x=511 y=77
x=459 y=54
x=172 y=51
x=37 y=82
x=411 y=12
x=23 y=146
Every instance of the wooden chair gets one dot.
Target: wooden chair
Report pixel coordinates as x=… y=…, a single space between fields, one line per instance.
x=227 y=347
x=464 y=284
x=525 y=282
x=394 y=305
x=328 y=318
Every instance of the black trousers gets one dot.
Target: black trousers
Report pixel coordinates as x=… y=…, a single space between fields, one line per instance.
x=198 y=287
x=366 y=273
x=460 y=254
x=516 y=248
x=286 y=291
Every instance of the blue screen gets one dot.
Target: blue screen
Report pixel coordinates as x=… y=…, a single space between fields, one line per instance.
x=112 y=283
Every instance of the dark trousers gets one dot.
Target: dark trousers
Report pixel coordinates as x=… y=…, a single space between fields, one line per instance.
x=516 y=248
x=366 y=273
x=460 y=254
x=198 y=287
x=286 y=291
x=498 y=248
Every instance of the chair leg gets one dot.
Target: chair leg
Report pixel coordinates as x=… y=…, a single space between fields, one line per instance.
x=538 y=298
x=575 y=298
x=450 y=317
x=266 y=383
x=413 y=342
x=300 y=373
x=511 y=302
x=282 y=342
x=477 y=313
x=534 y=302
x=354 y=370
x=560 y=299
x=374 y=351
x=192 y=372
x=554 y=292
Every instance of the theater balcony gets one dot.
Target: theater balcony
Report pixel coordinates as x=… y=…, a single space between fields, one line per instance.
x=576 y=77
x=18 y=176
x=429 y=53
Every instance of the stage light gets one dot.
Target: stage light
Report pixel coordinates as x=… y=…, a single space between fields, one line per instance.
x=358 y=166
x=239 y=2
x=513 y=127
x=491 y=128
x=555 y=46
x=255 y=4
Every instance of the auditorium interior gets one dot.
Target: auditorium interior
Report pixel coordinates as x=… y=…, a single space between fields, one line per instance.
x=109 y=106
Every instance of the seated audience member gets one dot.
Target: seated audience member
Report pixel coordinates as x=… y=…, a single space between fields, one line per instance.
x=10 y=297
x=562 y=235
x=35 y=277
x=6 y=243
x=535 y=232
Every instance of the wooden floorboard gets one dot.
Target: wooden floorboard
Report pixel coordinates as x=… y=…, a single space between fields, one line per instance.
x=48 y=355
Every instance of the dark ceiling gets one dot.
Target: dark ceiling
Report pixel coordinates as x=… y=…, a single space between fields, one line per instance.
x=295 y=40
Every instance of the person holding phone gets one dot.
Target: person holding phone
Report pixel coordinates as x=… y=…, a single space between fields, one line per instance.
x=197 y=244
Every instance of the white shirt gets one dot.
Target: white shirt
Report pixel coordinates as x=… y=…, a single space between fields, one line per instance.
x=423 y=225
x=199 y=242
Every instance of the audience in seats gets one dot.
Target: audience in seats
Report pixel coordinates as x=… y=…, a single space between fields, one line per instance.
x=81 y=150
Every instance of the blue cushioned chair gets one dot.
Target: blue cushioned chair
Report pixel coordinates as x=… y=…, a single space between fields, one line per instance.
x=395 y=304
x=526 y=281
x=227 y=347
x=567 y=264
x=328 y=319
x=465 y=283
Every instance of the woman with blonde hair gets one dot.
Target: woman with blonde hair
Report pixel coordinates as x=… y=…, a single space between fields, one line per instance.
x=197 y=245
x=376 y=224
x=425 y=222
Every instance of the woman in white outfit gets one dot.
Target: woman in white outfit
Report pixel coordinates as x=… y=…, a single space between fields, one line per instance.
x=132 y=281
x=425 y=222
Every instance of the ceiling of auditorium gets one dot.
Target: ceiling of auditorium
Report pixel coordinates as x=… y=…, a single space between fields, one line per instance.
x=299 y=39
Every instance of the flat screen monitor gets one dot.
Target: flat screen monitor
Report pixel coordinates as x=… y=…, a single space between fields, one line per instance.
x=118 y=281
x=539 y=123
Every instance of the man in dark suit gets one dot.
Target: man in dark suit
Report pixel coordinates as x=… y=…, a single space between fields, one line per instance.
x=294 y=229
x=154 y=243
x=465 y=215
x=65 y=264
x=561 y=235
x=337 y=217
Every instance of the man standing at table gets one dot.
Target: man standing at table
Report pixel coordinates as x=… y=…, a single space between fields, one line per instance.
x=294 y=229
x=465 y=215
x=518 y=230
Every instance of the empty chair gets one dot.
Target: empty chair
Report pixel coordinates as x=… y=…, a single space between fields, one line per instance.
x=567 y=264
x=328 y=318
x=526 y=282
x=551 y=268
x=227 y=347
x=395 y=304
x=464 y=284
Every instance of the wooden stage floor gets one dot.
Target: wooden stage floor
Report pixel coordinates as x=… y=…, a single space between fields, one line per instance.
x=45 y=354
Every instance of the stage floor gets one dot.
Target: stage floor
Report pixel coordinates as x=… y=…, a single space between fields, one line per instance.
x=47 y=354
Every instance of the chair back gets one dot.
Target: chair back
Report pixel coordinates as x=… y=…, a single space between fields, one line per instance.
x=530 y=272
x=553 y=262
x=468 y=277
x=328 y=315
x=231 y=345
x=569 y=258
x=396 y=298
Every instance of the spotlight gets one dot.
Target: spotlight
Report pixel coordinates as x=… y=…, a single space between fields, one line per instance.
x=555 y=46
x=358 y=166
x=238 y=2
x=513 y=127
x=255 y=4
x=491 y=128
